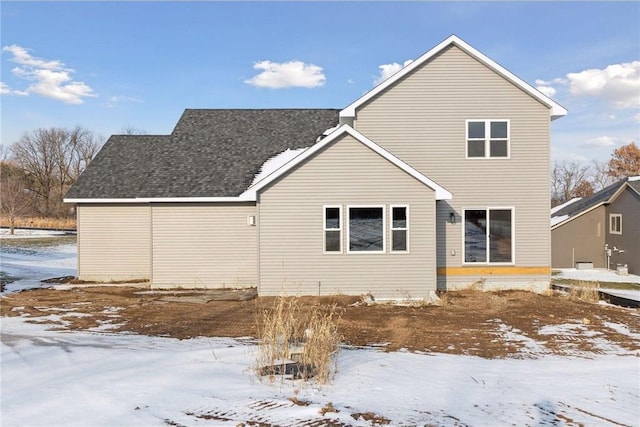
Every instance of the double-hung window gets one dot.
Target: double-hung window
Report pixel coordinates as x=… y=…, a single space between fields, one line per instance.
x=332 y=229
x=615 y=223
x=487 y=138
x=488 y=235
x=399 y=228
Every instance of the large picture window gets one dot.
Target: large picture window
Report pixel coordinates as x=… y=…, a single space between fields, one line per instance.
x=366 y=229
x=332 y=229
x=488 y=235
x=487 y=138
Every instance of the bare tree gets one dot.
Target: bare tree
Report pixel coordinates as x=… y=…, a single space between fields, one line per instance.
x=132 y=130
x=35 y=153
x=52 y=160
x=15 y=200
x=600 y=177
x=569 y=180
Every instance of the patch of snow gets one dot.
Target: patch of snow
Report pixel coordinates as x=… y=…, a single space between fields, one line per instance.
x=565 y=204
x=622 y=329
x=624 y=293
x=30 y=264
x=509 y=334
x=103 y=379
x=275 y=163
x=22 y=233
x=596 y=275
x=558 y=219
x=634 y=178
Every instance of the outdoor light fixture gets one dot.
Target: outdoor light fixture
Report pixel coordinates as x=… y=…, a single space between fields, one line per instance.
x=452 y=217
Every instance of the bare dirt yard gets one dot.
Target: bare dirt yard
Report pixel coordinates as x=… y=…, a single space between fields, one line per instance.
x=486 y=324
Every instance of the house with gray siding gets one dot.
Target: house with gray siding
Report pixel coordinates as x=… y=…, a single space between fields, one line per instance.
x=601 y=231
x=438 y=178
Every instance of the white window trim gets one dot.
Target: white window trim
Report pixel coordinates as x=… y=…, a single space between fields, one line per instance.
x=487 y=139
x=384 y=228
x=325 y=229
x=392 y=229
x=612 y=222
x=513 y=235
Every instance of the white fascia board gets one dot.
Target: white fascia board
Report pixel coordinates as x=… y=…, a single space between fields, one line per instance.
x=441 y=193
x=578 y=215
x=163 y=200
x=556 y=110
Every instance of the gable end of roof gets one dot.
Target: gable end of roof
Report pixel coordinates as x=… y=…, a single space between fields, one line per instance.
x=556 y=110
x=251 y=192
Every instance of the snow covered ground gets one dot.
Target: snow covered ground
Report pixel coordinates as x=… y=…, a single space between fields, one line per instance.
x=596 y=275
x=602 y=275
x=33 y=255
x=101 y=379
x=98 y=378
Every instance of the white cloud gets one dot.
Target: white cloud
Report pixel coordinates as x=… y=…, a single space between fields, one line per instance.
x=546 y=88
x=119 y=99
x=51 y=79
x=287 y=74
x=21 y=56
x=617 y=83
x=387 y=70
x=6 y=90
x=603 y=141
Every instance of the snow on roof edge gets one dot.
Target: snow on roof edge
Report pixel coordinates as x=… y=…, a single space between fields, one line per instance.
x=274 y=163
x=565 y=204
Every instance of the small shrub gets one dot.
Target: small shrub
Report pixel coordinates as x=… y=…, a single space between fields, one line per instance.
x=292 y=331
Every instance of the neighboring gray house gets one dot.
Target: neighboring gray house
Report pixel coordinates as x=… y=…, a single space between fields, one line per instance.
x=603 y=229
x=436 y=178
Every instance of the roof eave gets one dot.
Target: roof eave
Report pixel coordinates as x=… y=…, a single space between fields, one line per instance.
x=115 y=200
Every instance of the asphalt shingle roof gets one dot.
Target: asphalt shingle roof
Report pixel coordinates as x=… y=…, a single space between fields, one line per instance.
x=597 y=198
x=210 y=153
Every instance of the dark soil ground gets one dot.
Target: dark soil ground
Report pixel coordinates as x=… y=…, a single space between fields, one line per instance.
x=468 y=322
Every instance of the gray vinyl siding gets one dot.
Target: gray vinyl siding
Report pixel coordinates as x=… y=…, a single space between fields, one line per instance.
x=291 y=227
x=114 y=242
x=422 y=120
x=204 y=245
x=628 y=205
x=580 y=240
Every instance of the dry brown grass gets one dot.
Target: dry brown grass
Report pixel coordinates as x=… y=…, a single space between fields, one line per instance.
x=41 y=222
x=291 y=330
x=586 y=291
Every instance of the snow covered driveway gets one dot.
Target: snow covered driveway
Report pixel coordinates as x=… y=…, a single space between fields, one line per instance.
x=101 y=379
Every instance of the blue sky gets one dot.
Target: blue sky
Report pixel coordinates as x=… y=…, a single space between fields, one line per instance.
x=107 y=66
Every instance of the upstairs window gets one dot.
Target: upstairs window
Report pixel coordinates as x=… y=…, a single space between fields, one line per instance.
x=487 y=139
x=332 y=229
x=615 y=223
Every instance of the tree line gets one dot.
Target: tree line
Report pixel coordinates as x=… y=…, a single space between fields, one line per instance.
x=571 y=179
x=38 y=169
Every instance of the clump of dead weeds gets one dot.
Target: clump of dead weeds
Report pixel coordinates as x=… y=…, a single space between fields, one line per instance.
x=585 y=291
x=298 y=339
